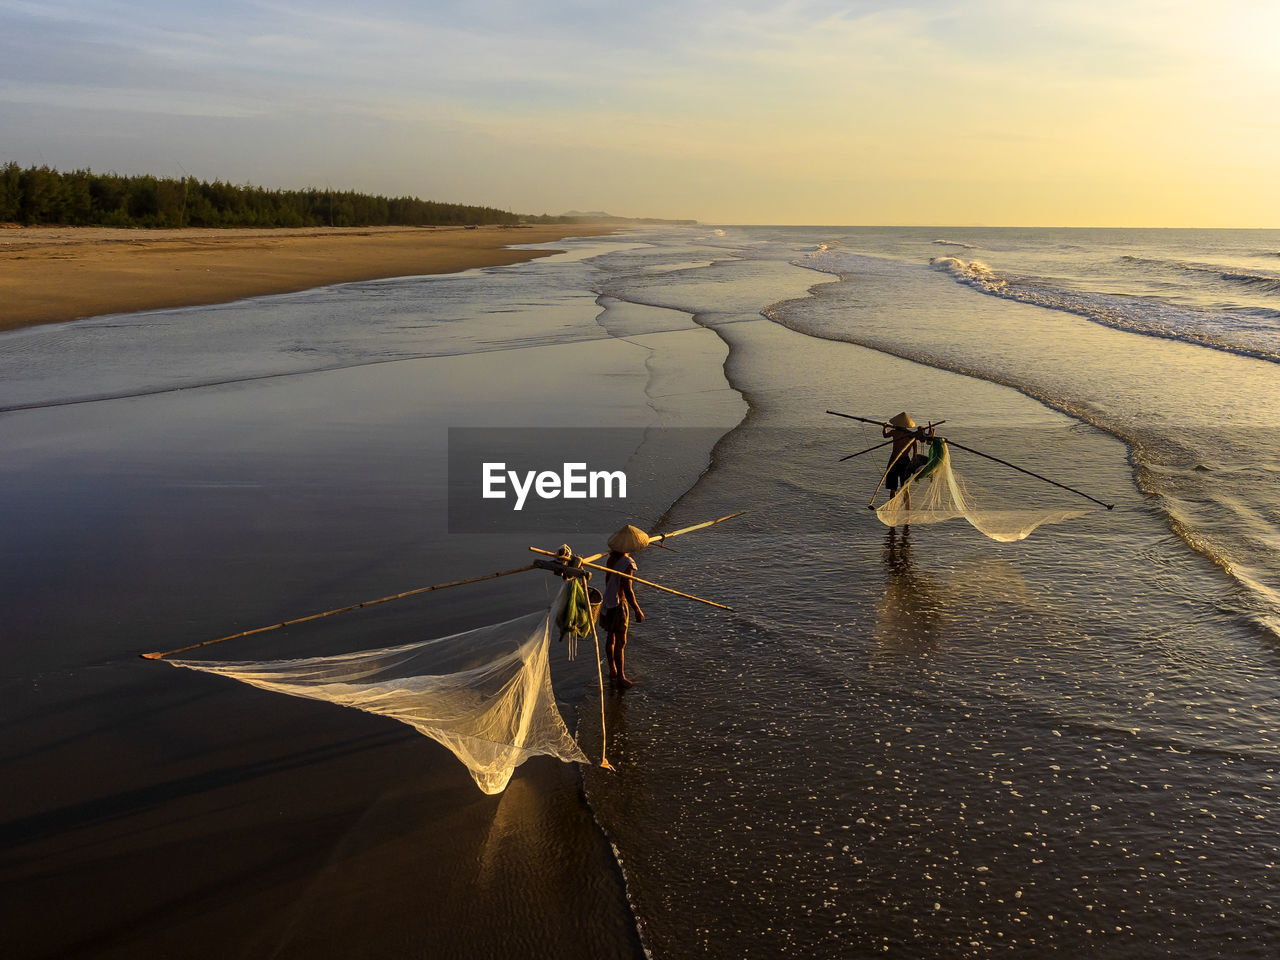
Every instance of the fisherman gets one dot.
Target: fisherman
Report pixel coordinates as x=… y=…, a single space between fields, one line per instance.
x=620 y=598
x=905 y=458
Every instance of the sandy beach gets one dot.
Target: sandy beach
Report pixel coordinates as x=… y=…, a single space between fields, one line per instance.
x=54 y=274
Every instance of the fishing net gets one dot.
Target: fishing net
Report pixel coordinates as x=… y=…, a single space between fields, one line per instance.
x=485 y=694
x=938 y=493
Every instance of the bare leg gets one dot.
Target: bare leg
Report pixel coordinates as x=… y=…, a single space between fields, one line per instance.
x=622 y=673
x=611 y=651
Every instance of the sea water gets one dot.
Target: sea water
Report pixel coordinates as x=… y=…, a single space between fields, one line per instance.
x=919 y=742
x=911 y=741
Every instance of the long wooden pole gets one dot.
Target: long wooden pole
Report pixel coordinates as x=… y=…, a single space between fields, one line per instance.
x=850 y=416
x=330 y=613
x=647 y=583
x=159 y=655
x=1109 y=506
x=604 y=728
x=660 y=537
x=868 y=450
x=880 y=423
x=872 y=504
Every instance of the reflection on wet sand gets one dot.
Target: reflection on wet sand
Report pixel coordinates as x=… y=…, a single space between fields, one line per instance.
x=908 y=613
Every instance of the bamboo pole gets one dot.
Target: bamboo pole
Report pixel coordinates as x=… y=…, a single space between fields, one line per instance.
x=660 y=537
x=1109 y=506
x=330 y=613
x=881 y=423
x=872 y=504
x=697 y=526
x=647 y=583
x=159 y=655
x=604 y=729
x=850 y=416
x=868 y=450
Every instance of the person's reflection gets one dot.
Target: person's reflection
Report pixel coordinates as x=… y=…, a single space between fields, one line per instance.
x=907 y=615
x=897 y=551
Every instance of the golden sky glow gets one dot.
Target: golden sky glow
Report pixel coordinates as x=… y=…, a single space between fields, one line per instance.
x=1112 y=113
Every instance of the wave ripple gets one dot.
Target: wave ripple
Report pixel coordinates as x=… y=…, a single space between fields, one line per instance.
x=1253 y=332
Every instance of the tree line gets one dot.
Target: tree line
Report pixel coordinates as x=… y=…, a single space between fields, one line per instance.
x=82 y=198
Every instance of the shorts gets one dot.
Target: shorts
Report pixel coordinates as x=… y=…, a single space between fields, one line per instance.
x=615 y=619
x=899 y=472
x=902 y=469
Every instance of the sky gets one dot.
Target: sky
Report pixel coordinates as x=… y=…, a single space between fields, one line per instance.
x=973 y=112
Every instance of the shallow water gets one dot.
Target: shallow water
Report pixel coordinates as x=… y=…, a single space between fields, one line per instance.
x=919 y=740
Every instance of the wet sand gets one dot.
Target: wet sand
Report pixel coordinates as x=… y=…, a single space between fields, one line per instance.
x=168 y=813
x=49 y=275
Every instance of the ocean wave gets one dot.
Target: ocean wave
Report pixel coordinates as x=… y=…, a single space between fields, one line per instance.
x=1147 y=261
x=970 y=271
x=1266 y=282
x=1150 y=317
x=839 y=262
x=1256 y=280
x=954 y=243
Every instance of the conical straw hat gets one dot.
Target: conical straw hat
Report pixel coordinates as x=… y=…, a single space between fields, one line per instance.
x=902 y=420
x=629 y=539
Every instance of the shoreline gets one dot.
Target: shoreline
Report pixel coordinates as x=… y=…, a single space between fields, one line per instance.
x=58 y=274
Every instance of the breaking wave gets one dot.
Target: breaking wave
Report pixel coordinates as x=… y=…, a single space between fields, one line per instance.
x=1133 y=314
x=954 y=243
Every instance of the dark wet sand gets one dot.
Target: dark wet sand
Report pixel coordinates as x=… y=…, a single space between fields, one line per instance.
x=149 y=811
